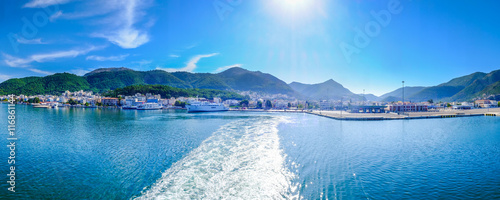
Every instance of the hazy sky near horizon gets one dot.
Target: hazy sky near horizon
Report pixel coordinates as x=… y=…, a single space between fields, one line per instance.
x=364 y=44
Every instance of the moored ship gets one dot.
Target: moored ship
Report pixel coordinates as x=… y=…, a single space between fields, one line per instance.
x=149 y=106
x=206 y=107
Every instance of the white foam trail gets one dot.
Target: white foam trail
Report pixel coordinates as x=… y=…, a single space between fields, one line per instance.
x=242 y=160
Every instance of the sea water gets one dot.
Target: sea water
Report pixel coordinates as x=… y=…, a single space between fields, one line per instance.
x=76 y=153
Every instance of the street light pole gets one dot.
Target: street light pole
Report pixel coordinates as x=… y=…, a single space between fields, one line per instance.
x=341 y=106
x=363 y=97
x=404 y=107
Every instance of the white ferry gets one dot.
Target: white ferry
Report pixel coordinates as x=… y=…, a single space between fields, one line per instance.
x=149 y=106
x=129 y=107
x=206 y=107
x=40 y=105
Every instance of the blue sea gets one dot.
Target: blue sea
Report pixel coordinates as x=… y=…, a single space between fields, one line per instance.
x=75 y=153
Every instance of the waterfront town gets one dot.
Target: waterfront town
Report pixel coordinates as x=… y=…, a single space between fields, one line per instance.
x=88 y=99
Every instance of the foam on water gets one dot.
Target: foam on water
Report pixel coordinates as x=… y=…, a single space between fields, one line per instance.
x=242 y=160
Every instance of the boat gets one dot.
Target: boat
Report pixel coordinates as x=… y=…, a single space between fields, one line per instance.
x=129 y=107
x=41 y=106
x=206 y=107
x=149 y=106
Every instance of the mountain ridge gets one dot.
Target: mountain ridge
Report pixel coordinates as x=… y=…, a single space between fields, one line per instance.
x=467 y=87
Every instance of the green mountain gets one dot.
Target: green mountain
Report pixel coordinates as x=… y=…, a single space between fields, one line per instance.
x=326 y=90
x=493 y=89
x=112 y=78
x=242 y=79
x=477 y=86
x=106 y=79
x=168 y=92
x=397 y=94
x=458 y=89
x=370 y=97
x=53 y=84
x=202 y=80
x=101 y=80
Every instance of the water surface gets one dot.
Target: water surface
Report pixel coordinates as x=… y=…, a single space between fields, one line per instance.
x=123 y=154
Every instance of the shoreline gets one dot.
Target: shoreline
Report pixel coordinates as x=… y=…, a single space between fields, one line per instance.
x=408 y=116
x=338 y=115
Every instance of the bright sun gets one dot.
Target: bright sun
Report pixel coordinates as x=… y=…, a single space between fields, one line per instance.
x=292 y=8
x=294 y=5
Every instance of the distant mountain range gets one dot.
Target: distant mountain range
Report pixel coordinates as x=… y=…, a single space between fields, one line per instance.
x=458 y=89
x=105 y=79
x=326 y=90
x=397 y=94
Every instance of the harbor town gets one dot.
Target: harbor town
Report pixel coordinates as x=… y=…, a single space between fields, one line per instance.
x=342 y=110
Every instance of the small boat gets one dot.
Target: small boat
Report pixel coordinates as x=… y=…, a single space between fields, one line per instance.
x=41 y=106
x=149 y=106
x=206 y=107
x=129 y=107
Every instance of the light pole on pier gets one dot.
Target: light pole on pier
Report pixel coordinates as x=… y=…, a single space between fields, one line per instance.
x=341 y=106
x=404 y=107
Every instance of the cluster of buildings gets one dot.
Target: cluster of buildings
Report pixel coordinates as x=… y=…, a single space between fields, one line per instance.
x=80 y=97
x=258 y=101
x=90 y=99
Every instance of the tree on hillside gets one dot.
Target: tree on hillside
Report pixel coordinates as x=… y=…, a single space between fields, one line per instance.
x=72 y=102
x=430 y=101
x=259 y=104
x=269 y=104
x=244 y=103
x=180 y=103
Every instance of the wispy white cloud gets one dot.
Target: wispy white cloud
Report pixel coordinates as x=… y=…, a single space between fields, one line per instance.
x=173 y=56
x=32 y=41
x=40 y=71
x=80 y=72
x=143 y=62
x=4 y=78
x=124 y=33
x=123 y=21
x=190 y=65
x=56 y=15
x=191 y=46
x=44 y=3
x=220 y=69
x=109 y=58
x=23 y=62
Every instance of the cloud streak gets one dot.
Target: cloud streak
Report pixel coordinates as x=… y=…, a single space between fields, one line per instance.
x=220 y=69
x=119 y=19
x=124 y=33
x=80 y=72
x=109 y=58
x=24 y=62
x=44 y=3
x=40 y=71
x=22 y=40
x=190 y=65
x=4 y=78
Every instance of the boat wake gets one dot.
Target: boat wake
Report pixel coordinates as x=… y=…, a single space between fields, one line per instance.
x=242 y=160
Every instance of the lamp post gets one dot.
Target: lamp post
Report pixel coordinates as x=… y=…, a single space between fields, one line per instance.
x=341 y=106
x=404 y=107
x=363 y=97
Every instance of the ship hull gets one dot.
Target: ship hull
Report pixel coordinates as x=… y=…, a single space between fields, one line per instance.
x=206 y=108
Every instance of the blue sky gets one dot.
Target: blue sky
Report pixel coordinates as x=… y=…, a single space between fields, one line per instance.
x=363 y=44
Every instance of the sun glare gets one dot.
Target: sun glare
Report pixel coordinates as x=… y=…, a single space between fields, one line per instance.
x=292 y=9
x=293 y=6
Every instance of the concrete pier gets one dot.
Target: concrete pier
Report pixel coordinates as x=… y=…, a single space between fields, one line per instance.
x=407 y=115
